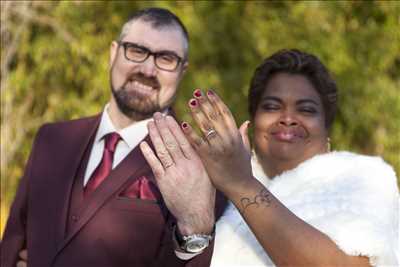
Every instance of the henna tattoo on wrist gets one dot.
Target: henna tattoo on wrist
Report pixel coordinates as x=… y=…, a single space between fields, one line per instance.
x=264 y=197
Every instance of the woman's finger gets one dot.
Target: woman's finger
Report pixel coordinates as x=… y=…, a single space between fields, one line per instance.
x=244 y=132
x=223 y=110
x=180 y=137
x=200 y=145
x=206 y=127
x=162 y=153
x=212 y=114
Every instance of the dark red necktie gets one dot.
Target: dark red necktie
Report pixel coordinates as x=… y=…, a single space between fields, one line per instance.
x=105 y=166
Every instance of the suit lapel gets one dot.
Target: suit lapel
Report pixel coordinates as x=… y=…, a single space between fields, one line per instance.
x=133 y=165
x=72 y=152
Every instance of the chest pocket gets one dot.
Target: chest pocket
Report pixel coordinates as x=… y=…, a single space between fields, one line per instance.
x=147 y=206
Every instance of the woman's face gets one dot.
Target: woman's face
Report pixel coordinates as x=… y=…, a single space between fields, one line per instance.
x=289 y=124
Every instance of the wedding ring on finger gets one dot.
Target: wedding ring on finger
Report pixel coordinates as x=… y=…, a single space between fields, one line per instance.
x=211 y=133
x=167 y=165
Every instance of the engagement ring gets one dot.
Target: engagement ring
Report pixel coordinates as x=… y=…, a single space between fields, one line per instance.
x=211 y=133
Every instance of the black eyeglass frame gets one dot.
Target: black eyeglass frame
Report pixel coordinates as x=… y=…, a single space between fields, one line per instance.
x=151 y=53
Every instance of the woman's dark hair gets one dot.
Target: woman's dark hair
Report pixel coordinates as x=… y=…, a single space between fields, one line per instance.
x=295 y=62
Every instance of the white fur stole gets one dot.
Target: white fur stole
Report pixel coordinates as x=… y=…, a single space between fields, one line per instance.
x=353 y=199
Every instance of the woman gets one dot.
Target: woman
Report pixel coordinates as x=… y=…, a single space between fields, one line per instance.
x=294 y=202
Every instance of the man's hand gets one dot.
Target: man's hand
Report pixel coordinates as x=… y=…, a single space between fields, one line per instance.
x=181 y=176
x=23 y=255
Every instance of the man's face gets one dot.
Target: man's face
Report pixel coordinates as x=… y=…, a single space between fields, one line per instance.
x=140 y=89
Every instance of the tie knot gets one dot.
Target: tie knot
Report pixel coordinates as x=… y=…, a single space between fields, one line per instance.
x=111 y=141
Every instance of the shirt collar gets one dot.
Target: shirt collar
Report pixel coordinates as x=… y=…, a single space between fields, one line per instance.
x=128 y=134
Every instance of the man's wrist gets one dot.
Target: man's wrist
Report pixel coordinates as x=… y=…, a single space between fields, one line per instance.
x=203 y=225
x=192 y=244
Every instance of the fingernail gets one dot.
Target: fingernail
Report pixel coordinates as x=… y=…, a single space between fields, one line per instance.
x=193 y=102
x=157 y=116
x=184 y=125
x=197 y=93
x=150 y=124
x=210 y=92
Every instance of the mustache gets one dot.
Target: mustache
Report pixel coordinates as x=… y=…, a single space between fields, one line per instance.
x=146 y=80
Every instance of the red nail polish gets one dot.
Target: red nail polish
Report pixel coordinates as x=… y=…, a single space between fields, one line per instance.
x=184 y=125
x=210 y=92
x=197 y=93
x=193 y=102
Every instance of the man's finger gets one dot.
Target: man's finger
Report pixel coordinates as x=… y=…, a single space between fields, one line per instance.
x=23 y=254
x=167 y=137
x=162 y=153
x=152 y=160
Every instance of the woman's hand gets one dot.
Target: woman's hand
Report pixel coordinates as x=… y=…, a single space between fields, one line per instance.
x=224 y=149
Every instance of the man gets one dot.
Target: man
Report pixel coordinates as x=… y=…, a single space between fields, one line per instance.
x=88 y=197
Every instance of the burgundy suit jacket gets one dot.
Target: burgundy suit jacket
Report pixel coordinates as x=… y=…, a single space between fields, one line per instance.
x=109 y=229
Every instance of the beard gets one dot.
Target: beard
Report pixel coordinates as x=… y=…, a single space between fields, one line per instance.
x=134 y=104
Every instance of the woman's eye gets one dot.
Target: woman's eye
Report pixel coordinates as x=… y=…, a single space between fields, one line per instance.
x=270 y=107
x=308 y=110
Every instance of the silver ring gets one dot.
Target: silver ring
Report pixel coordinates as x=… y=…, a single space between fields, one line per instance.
x=168 y=165
x=211 y=133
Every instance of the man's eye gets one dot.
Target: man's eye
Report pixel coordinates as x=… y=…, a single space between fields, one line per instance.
x=136 y=50
x=165 y=58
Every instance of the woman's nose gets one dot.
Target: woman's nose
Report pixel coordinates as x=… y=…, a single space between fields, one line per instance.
x=288 y=119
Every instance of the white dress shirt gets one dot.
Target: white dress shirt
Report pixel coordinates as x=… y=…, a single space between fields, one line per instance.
x=131 y=137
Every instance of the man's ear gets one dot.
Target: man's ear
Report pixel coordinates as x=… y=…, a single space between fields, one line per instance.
x=184 y=67
x=113 y=53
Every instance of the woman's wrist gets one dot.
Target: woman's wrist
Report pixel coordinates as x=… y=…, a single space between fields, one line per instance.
x=250 y=193
x=241 y=188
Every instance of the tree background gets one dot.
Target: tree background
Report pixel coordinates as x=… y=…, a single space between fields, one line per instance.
x=54 y=64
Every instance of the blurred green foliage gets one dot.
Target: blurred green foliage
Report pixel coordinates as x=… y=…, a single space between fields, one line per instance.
x=55 y=64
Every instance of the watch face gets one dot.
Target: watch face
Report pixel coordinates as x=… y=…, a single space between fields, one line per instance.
x=196 y=244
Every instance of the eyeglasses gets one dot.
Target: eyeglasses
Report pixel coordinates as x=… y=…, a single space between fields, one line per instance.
x=164 y=60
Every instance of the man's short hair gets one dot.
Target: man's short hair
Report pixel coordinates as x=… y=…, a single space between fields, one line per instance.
x=159 y=18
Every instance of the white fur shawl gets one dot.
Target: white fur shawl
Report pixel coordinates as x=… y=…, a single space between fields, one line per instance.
x=353 y=199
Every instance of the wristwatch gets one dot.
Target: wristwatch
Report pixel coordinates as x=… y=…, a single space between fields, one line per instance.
x=195 y=243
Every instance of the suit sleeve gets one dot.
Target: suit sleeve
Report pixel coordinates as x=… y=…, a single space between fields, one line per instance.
x=14 y=238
